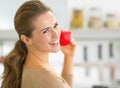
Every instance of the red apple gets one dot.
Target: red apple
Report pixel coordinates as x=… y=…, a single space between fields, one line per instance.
x=65 y=37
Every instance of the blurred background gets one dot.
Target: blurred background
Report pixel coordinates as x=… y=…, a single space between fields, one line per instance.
x=95 y=25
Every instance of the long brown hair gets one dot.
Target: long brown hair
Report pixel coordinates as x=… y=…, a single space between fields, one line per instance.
x=13 y=62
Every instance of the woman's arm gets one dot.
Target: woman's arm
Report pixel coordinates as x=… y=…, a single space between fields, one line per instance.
x=67 y=70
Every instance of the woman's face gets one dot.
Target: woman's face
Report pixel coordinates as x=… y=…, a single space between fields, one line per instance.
x=45 y=36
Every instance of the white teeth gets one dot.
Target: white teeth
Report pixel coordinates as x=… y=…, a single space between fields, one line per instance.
x=55 y=42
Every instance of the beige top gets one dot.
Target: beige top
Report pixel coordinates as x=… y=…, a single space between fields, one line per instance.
x=44 y=78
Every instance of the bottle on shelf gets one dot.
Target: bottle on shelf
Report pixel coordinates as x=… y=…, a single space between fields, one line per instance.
x=101 y=65
x=112 y=62
x=87 y=67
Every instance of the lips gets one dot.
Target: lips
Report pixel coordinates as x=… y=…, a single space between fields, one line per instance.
x=55 y=42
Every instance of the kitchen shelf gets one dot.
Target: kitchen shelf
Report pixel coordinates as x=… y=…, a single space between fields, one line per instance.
x=96 y=34
x=8 y=35
x=76 y=34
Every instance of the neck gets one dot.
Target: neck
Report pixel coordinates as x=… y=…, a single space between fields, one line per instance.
x=37 y=60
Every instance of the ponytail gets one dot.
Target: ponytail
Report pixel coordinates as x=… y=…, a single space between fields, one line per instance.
x=13 y=66
x=23 y=22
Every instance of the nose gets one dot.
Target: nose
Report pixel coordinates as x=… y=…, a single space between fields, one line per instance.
x=55 y=33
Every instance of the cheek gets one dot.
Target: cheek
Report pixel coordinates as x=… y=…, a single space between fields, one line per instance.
x=41 y=43
x=45 y=40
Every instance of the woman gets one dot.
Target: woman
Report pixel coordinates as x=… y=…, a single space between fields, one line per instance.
x=27 y=66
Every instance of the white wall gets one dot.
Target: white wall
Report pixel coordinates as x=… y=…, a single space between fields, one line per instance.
x=7 y=12
x=9 y=7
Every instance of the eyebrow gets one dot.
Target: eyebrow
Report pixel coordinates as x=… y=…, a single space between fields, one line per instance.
x=49 y=27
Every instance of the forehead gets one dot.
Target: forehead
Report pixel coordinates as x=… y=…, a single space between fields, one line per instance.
x=44 y=20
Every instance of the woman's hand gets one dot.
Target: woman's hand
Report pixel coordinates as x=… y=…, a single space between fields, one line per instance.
x=69 y=50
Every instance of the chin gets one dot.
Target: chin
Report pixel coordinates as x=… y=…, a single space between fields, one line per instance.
x=55 y=51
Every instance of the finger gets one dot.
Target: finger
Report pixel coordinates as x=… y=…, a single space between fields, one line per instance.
x=73 y=42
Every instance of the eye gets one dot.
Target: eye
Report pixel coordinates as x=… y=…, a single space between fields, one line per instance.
x=56 y=25
x=46 y=30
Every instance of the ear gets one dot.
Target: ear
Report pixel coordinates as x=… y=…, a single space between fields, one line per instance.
x=25 y=39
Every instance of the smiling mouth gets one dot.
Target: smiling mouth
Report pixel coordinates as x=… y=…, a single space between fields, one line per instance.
x=55 y=42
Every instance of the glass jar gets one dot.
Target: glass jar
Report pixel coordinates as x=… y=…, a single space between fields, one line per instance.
x=95 y=20
x=111 y=21
x=77 y=19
